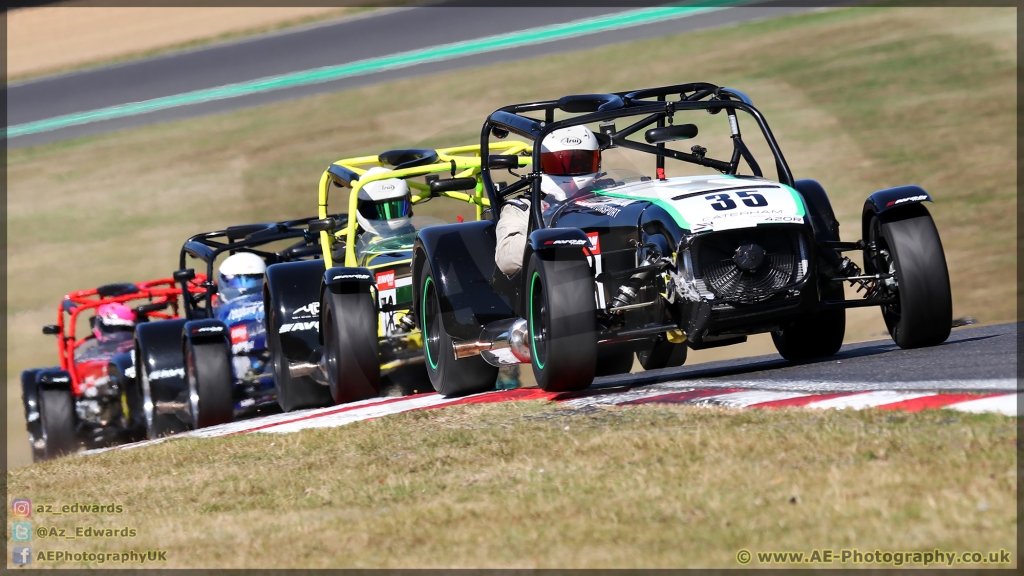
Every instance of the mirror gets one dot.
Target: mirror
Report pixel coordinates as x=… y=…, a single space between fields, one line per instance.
x=323 y=225
x=452 y=185
x=51 y=329
x=670 y=133
x=499 y=133
x=502 y=161
x=68 y=306
x=186 y=275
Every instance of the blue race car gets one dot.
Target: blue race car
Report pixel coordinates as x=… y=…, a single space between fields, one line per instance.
x=213 y=366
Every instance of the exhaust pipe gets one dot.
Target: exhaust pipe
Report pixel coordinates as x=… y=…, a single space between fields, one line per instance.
x=500 y=343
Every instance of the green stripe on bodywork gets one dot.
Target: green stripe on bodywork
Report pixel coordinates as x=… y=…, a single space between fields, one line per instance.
x=797 y=199
x=675 y=214
x=372 y=65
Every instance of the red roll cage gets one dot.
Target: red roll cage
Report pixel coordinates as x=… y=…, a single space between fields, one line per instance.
x=157 y=294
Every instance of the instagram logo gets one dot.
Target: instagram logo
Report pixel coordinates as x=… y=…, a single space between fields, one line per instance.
x=21 y=507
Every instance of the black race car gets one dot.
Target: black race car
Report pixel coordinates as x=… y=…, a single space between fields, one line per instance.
x=213 y=365
x=650 y=264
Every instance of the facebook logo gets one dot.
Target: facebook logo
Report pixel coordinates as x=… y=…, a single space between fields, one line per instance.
x=21 y=555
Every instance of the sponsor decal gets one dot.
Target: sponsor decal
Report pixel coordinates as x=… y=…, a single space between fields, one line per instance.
x=607 y=205
x=59 y=379
x=918 y=198
x=309 y=310
x=386 y=280
x=129 y=372
x=566 y=242
x=247 y=311
x=595 y=242
x=239 y=334
x=167 y=373
x=387 y=187
x=242 y=347
x=299 y=326
x=209 y=329
x=351 y=276
x=572 y=141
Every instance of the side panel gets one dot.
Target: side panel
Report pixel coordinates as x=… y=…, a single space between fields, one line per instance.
x=461 y=257
x=292 y=304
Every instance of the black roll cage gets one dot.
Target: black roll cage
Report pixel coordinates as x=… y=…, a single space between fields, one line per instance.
x=245 y=238
x=605 y=107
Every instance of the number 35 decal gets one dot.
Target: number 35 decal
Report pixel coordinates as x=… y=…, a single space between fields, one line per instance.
x=724 y=202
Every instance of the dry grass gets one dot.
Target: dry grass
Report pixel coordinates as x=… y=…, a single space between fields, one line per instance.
x=859 y=99
x=532 y=485
x=74 y=35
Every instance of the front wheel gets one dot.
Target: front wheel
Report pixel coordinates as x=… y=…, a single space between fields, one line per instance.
x=210 y=380
x=351 y=346
x=815 y=335
x=561 y=318
x=293 y=393
x=57 y=422
x=449 y=375
x=906 y=244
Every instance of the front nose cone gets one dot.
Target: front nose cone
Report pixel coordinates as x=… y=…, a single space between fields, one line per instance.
x=748 y=257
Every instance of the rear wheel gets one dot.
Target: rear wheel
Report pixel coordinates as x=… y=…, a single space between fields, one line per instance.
x=351 y=346
x=132 y=412
x=57 y=419
x=662 y=354
x=210 y=380
x=815 y=335
x=562 y=325
x=448 y=375
x=907 y=244
x=292 y=393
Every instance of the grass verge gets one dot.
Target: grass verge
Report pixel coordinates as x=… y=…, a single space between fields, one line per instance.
x=529 y=484
x=860 y=99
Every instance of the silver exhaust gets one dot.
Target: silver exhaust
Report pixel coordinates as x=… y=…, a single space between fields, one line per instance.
x=500 y=343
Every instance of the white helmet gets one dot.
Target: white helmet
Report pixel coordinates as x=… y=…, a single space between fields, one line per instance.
x=383 y=205
x=569 y=160
x=239 y=275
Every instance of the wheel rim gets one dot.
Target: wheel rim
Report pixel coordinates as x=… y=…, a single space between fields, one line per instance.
x=538 y=309
x=193 y=388
x=883 y=263
x=431 y=324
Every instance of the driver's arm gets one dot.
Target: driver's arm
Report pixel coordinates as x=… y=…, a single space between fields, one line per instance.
x=511 y=235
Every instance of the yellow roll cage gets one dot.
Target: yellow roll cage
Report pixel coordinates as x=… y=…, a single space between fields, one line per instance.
x=461 y=161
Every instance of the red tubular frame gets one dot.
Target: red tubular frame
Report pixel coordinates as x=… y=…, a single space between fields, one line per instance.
x=153 y=291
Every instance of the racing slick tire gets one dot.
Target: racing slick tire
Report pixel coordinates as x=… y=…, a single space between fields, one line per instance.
x=924 y=314
x=351 y=346
x=662 y=354
x=814 y=335
x=562 y=325
x=210 y=382
x=614 y=360
x=57 y=422
x=292 y=393
x=30 y=400
x=450 y=376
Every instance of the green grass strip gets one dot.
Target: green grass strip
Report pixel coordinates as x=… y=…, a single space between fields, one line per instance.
x=372 y=65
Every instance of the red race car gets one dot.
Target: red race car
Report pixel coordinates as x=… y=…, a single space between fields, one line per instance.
x=90 y=400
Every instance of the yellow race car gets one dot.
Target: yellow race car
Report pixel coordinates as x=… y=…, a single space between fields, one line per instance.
x=340 y=328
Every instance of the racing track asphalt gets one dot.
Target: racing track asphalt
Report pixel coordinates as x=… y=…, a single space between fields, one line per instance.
x=377 y=34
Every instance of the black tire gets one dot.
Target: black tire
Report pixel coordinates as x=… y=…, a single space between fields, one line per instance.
x=561 y=319
x=210 y=382
x=158 y=425
x=30 y=401
x=292 y=393
x=449 y=376
x=613 y=360
x=814 y=335
x=662 y=354
x=351 y=345
x=57 y=422
x=924 y=314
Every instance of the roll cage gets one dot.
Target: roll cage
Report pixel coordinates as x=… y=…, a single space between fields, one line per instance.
x=158 y=295
x=656 y=109
x=207 y=246
x=461 y=162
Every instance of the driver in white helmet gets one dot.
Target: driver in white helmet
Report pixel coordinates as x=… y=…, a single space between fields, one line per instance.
x=570 y=159
x=239 y=275
x=384 y=207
